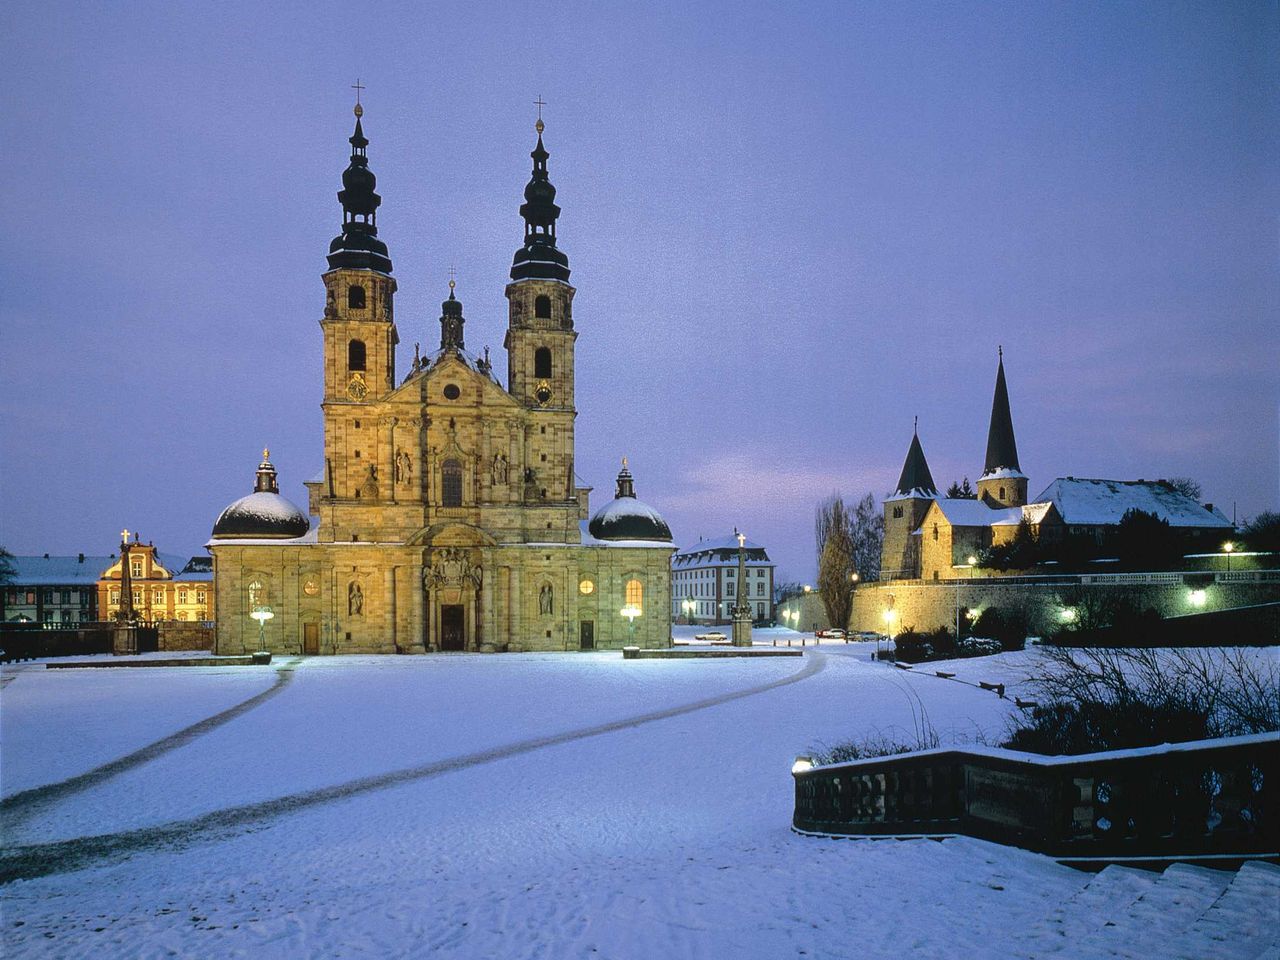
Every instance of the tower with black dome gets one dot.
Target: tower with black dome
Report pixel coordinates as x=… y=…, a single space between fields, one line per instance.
x=359 y=329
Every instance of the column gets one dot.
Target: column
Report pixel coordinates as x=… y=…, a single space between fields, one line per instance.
x=513 y=607
x=389 y=589
x=418 y=627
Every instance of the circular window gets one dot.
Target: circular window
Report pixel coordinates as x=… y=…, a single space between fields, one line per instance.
x=585 y=587
x=311 y=586
x=451 y=391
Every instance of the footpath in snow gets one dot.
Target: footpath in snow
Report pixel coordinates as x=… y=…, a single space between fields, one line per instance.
x=628 y=822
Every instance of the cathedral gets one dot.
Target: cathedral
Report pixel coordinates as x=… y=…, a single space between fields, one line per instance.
x=447 y=515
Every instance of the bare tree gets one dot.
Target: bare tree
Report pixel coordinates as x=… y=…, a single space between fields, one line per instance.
x=833 y=531
x=868 y=538
x=1187 y=486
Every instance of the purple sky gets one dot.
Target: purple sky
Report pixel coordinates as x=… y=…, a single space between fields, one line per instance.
x=792 y=228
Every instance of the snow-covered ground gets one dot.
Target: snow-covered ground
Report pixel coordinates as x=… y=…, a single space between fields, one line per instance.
x=520 y=805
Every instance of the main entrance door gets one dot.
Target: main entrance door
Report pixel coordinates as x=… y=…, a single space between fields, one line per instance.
x=452 y=627
x=311 y=639
x=587 y=634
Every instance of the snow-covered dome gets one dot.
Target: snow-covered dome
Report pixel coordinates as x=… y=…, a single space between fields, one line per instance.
x=626 y=518
x=263 y=514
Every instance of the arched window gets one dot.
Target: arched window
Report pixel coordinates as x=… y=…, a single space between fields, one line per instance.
x=355 y=298
x=635 y=594
x=451 y=483
x=542 y=363
x=355 y=355
x=1002 y=493
x=935 y=531
x=542 y=307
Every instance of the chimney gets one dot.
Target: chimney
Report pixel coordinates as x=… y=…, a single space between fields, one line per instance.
x=81 y=560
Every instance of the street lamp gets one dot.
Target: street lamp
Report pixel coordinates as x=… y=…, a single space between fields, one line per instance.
x=1228 y=547
x=262 y=615
x=631 y=611
x=688 y=606
x=973 y=562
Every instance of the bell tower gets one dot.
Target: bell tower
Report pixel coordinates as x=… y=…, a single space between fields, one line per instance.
x=540 y=340
x=1002 y=484
x=359 y=337
x=359 y=328
x=540 y=334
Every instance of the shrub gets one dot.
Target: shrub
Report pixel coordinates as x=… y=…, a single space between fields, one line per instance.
x=979 y=647
x=1008 y=627
x=1104 y=699
x=911 y=647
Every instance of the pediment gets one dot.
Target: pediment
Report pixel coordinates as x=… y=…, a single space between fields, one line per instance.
x=451 y=533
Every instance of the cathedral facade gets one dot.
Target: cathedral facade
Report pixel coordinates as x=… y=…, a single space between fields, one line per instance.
x=447 y=515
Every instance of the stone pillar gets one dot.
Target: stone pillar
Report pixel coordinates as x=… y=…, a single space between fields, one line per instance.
x=513 y=608
x=742 y=608
x=389 y=587
x=418 y=623
x=484 y=632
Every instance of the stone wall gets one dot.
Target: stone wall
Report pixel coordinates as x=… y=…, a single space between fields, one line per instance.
x=812 y=611
x=924 y=605
x=185 y=635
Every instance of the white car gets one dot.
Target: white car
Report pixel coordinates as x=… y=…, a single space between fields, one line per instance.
x=713 y=637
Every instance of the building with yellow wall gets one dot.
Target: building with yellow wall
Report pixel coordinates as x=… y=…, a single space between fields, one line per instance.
x=448 y=514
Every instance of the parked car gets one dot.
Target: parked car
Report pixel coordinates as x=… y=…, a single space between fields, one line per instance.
x=867 y=636
x=713 y=637
x=831 y=633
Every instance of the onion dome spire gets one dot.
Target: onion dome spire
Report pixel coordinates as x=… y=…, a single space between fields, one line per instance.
x=915 y=479
x=451 y=321
x=626 y=484
x=266 y=482
x=358 y=245
x=1002 y=448
x=539 y=258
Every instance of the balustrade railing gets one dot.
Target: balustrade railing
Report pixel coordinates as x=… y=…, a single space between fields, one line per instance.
x=1209 y=799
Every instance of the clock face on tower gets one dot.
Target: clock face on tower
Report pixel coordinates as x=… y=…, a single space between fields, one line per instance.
x=357 y=389
x=542 y=393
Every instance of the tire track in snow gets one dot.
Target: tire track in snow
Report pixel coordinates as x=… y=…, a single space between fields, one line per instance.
x=20 y=807
x=64 y=856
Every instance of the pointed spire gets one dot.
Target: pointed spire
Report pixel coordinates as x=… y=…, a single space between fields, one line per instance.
x=915 y=480
x=358 y=245
x=1002 y=448
x=539 y=258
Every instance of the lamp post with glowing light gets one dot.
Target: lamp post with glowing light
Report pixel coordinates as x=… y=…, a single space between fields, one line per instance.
x=631 y=611
x=1228 y=548
x=262 y=615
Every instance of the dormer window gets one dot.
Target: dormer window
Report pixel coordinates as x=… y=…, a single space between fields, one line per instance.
x=542 y=307
x=355 y=298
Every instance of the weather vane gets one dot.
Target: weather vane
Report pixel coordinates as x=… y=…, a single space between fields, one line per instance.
x=453 y=278
x=540 y=103
x=357 y=87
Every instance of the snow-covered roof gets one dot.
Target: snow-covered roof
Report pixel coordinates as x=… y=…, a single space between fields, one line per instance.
x=311 y=536
x=975 y=513
x=722 y=543
x=1033 y=513
x=589 y=541
x=915 y=493
x=58 y=571
x=1004 y=473
x=627 y=518
x=1087 y=502
x=261 y=514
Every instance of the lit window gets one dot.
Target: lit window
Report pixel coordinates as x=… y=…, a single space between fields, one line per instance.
x=182 y=596
x=135 y=568
x=635 y=593
x=586 y=587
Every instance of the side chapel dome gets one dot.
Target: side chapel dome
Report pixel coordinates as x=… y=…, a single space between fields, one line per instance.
x=263 y=514
x=626 y=518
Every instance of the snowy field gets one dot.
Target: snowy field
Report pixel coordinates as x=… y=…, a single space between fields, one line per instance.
x=519 y=805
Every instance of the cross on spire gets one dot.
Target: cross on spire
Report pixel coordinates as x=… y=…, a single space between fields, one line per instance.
x=357 y=87
x=539 y=103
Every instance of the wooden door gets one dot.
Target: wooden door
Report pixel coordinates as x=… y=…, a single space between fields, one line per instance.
x=311 y=639
x=587 y=635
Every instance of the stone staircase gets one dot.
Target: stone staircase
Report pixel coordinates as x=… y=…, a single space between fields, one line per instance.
x=1185 y=912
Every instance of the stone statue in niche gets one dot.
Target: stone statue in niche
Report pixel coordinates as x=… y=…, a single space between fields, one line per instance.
x=499 y=470
x=331 y=306
x=355 y=600
x=545 y=600
x=404 y=468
